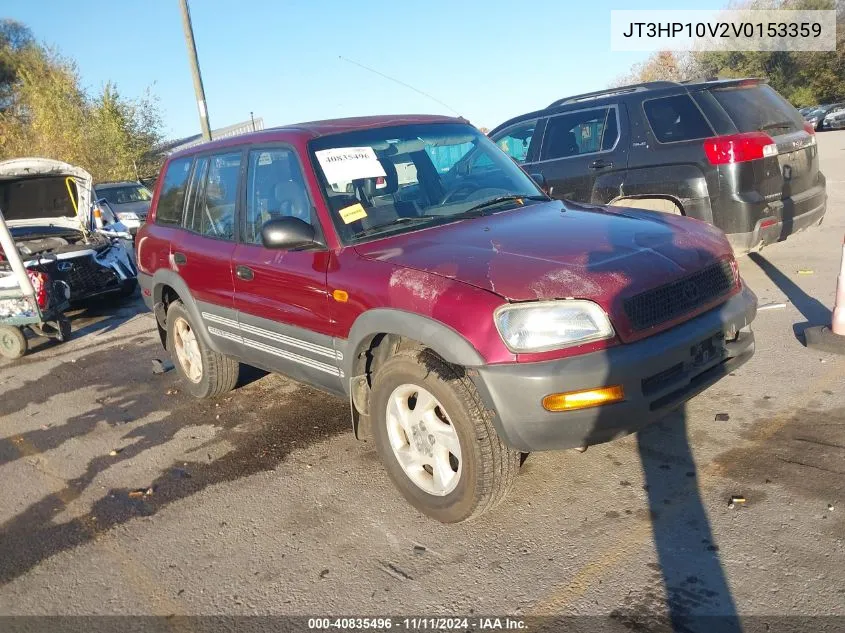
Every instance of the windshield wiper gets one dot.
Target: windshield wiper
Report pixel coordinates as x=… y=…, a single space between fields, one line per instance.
x=771 y=126
x=436 y=218
x=492 y=202
x=397 y=222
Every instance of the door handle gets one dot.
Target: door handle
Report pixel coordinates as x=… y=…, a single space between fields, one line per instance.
x=245 y=273
x=179 y=258
x=600 y=164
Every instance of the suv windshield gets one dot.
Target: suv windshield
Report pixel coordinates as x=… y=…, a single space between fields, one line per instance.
x=757 y=107
x=125 y=194
x=397 y=179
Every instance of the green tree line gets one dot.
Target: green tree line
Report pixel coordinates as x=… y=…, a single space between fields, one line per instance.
x=805 y=78
x=45 y=111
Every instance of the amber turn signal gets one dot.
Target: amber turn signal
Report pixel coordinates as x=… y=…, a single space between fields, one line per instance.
x=584 y=399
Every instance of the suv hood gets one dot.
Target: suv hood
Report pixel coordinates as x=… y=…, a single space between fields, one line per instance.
x=559 y=250
x=30 y=171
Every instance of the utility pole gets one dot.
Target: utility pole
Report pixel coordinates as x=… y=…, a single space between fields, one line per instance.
x=195 y=69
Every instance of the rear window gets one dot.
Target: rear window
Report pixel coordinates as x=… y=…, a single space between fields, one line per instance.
x=758 y=107
x=172 y=196
x=674 y=119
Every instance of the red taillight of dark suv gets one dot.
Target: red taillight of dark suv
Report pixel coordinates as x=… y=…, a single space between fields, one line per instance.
x=739 y=148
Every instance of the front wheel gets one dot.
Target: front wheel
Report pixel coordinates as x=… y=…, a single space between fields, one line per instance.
x=436 y=439
x=127 y=289
x=205 y=372
x=13 y=344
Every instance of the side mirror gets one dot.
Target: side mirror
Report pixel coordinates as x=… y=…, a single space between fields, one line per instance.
x=540 y=179
x=287 y=234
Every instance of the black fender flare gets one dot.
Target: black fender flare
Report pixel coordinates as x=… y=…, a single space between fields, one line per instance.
x=166 y=277
x=445 y=341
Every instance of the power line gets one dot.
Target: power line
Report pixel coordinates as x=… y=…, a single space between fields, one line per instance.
x=401 y=83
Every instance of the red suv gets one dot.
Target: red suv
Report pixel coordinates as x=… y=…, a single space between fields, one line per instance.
x=468 y=317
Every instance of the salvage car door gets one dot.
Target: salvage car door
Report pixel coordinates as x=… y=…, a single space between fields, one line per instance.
x=203 y=251
x=579 y=150
x=281 y=296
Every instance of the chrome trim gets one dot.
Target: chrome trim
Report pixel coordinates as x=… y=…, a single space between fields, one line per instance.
x=296 y=358
x=273 y=336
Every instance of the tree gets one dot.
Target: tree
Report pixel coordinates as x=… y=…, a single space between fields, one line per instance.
x=661 y=66
x=14 y=37
x=44 y=111
x=805 y=78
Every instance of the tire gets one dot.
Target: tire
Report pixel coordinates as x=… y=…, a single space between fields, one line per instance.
x=128 y=289
x=13 y=343
x=487 y=467
x=64 y=329
x=218 y=374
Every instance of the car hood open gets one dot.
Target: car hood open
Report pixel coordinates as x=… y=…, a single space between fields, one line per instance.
x=559 y=250
x=32 y=169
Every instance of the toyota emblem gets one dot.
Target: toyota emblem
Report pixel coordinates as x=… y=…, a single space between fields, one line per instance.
x=690 y=291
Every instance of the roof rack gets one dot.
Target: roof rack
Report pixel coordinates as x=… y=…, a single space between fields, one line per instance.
x=650 y=85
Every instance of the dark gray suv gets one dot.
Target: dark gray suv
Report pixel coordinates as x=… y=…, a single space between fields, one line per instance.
x=734 y=153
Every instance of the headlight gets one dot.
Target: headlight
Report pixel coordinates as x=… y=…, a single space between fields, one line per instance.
x=127 y=215
x=547 y=325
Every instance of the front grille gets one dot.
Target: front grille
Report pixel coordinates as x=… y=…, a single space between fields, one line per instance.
x=665 y=303
x=85 y=276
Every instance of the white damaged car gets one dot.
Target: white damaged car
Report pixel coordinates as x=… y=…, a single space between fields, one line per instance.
x=47 y=207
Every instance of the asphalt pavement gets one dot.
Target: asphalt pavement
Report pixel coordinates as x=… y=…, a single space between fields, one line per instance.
x=123 y=495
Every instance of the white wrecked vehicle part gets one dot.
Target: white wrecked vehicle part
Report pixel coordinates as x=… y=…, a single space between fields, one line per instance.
x=47 y=206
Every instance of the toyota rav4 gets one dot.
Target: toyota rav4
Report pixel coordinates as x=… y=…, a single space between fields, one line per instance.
x=467 y=317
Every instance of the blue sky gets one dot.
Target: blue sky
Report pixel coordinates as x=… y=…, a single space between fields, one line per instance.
x=489 y=59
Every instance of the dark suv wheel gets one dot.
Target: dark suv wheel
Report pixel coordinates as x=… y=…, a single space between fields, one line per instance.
x=205 y=372
x=437 y=440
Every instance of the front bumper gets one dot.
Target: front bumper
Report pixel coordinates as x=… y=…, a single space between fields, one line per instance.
x=658 y=373
x=131 y=225
x=92 y=272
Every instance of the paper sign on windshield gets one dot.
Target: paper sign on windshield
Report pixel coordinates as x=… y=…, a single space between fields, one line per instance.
x=342 y=164
x=352 y=213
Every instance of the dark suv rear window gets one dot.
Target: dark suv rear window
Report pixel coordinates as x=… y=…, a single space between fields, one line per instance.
x=675 y=119
x=758 y=107
x=172 y=196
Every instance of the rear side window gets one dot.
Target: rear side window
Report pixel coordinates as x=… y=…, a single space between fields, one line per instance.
x=172 y=196
x=576 y=133
x=216 y=199
x=758 y=107
x=675 y=119
x=193 y=210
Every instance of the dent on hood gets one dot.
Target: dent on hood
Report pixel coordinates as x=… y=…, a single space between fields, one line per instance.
x=416 y=285
x=576 y=285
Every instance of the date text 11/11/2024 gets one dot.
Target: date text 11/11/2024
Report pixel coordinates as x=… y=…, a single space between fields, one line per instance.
x=418 y=624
